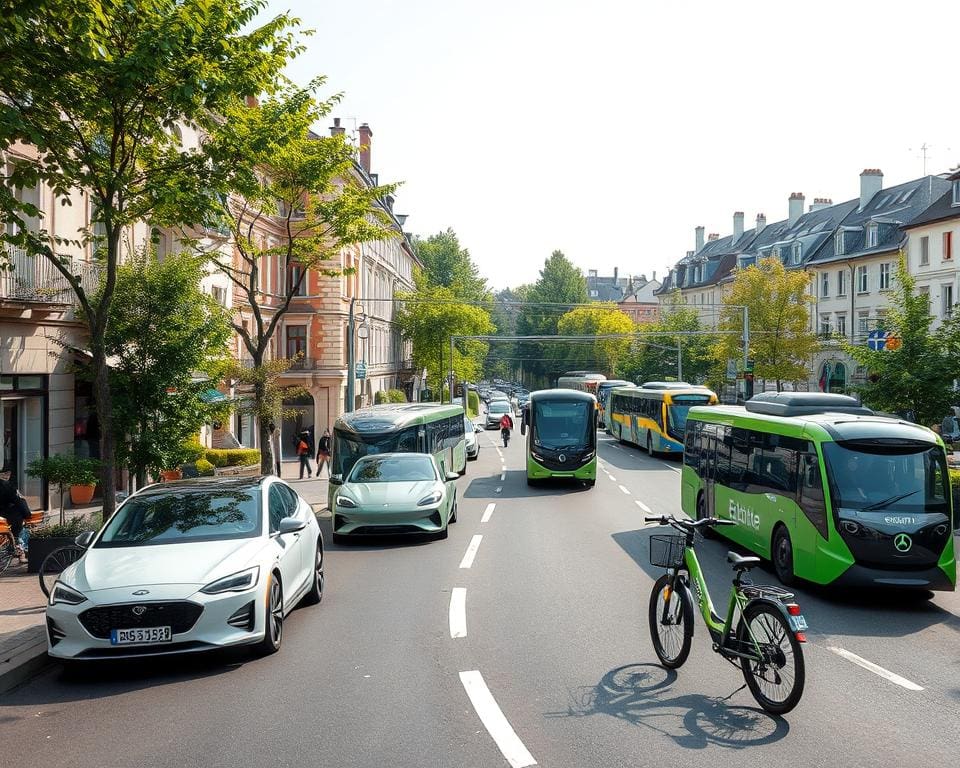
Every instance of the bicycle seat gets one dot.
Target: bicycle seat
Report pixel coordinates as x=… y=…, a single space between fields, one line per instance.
x=741 y=563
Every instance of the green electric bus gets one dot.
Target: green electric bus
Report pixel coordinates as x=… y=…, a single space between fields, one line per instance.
x=405 y=427
x=826 y=489
x=654 y=415
x=561 y=430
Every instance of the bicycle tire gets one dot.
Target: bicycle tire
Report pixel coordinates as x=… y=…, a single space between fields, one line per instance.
x=771 y=629
x=682 y=609
x=7 y=553
x=54 y=563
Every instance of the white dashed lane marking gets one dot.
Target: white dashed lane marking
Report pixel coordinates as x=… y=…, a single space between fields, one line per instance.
x=612 y=478
x=643 y=506
x=494 y=721
x=471 y=551
x=886 y=674
x=458 y=612
x=488 y=512
x=625 y=490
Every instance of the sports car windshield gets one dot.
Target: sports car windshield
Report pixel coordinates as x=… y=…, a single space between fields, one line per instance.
x=395 y=469
x=184 y=516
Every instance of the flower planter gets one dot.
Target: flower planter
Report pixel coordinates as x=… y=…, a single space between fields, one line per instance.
x=82 y=494
x=171 y=474
x=39 y=548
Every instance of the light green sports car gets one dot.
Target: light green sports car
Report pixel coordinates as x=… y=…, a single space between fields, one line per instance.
x=394 y=493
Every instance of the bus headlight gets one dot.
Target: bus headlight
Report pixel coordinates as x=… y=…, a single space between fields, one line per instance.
x=589 y=455
x=536 y=456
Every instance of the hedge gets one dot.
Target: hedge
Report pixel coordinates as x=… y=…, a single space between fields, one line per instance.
x=396 y=396
x=232 y=457
x=380 y=397
x=473 y=404
x=204 y=467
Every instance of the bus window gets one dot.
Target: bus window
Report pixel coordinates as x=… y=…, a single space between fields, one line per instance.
x=691 y=449
x=810 y=491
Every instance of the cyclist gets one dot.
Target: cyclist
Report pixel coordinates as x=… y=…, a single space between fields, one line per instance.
x=14 y=508
x=506 y=424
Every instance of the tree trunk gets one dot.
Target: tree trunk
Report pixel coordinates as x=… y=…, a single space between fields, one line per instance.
x=101 y=396
x=266 y=443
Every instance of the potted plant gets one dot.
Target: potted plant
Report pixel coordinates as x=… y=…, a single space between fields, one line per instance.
x=47 y=538
x=65 y=471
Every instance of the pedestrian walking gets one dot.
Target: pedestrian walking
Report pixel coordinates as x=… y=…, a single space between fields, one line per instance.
x=303 y=451
x=275 y=445
x=323 y=452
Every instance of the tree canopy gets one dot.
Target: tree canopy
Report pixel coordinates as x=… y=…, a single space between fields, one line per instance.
x=448 y=265
x=604 y=355
x=654 y=356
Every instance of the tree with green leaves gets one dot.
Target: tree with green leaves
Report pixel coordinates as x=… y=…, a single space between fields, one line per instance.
x=778 y=306
x=502 y=356
x=448 y=265
x=915 y=375
x=168 y=343
x=603 y=355
x=304 y=189
x=428 y=318
x=97 y=88
x=560 y=285
x=654 y=356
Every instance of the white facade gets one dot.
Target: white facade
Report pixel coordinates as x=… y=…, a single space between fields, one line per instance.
x=933 y=262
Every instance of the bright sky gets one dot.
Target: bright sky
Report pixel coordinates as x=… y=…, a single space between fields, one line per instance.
x=611 y=128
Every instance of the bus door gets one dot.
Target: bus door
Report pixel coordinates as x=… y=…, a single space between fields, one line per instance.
x=708 y=465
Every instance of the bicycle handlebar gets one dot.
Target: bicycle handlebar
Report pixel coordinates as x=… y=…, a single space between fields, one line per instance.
x=688 y=525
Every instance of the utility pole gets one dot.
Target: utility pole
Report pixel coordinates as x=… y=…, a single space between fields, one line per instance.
x=679 y=360
x=351 y=357
x=451 y=369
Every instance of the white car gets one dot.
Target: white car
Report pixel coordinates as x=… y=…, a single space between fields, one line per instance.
x=189 y=566
x=470 y=438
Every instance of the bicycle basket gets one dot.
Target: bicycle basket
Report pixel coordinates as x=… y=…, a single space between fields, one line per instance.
x=667 y=551
x=766 y=590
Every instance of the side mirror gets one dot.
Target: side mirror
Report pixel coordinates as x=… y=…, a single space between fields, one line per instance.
x=85 y=539
x=292 y=525
x=451 y=476
x=336 y=479
x=523 y=427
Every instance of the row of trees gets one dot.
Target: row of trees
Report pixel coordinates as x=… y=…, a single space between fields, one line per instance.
x=101 y=92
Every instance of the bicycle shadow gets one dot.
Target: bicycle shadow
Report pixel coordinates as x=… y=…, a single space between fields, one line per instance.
x=640 y=694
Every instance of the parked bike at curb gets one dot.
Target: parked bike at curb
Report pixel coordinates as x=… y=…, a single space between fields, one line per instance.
x=766 y=639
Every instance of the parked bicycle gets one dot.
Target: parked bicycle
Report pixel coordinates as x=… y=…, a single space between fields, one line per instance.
x=763 y=629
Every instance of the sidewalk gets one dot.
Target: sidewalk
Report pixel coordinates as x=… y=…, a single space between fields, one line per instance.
x=23 y=645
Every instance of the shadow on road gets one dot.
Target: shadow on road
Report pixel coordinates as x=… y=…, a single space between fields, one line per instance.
x=514 y=486
x=632 y=458
x=368 y=542
x=640 y=694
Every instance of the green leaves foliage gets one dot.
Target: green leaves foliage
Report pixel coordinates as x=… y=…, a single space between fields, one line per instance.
x=446 y=264
x=603 y=354
x=654 y=356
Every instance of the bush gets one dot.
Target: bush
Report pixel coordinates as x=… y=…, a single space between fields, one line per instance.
x=380 y=397
x=68 y=530
x=473 y=404
x=204 y=467
x=396 y=396
x=232 y=457
x=193 y=451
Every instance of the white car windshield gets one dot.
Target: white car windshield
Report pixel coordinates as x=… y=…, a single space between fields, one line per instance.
x=394 y=469
x=181 y=516
x=499 y=406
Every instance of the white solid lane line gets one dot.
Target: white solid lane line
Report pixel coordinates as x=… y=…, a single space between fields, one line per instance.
x=886 y=674
x=471 y=551
x=458 y=612
x=644 y=507
x=488 y=512
x=624 y=490
x=493 y=720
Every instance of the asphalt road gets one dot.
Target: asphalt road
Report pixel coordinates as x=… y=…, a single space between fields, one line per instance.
x=552 y=638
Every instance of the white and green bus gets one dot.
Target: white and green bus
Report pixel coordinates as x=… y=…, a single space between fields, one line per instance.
x=825 y=489
x=399 y=427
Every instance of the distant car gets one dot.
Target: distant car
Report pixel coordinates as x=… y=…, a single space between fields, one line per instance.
x=189 y=566
x=394 y=493
x=470 y=437
x=495 y=412
x=950 y=429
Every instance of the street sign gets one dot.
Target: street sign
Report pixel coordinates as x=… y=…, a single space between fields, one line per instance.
x=731 y=369
x=361 y=370
x=877 y=340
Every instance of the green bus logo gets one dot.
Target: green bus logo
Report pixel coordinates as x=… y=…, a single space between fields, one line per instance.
x=902 y=542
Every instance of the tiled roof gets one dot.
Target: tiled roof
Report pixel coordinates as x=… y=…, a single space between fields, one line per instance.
x=942 y=209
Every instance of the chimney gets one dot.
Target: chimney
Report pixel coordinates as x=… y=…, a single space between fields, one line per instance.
x=616 y=271
x=819 y=203
x=336 y=129
x=699 y=231
x=871 y=182
x=654 y=275
x=737 y=226
x=365 y=135
x=795 y=207
x=761 y=222
x=713 y=236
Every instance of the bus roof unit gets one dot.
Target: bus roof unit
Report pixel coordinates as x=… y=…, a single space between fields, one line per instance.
x=804 y=404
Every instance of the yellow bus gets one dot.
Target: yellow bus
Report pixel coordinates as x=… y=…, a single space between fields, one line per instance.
x=654 y=415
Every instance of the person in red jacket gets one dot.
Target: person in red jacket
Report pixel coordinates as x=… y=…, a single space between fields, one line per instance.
x=506 y=424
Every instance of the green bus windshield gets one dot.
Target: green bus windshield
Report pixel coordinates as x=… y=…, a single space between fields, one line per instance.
x=348 y=447
x=561 y=424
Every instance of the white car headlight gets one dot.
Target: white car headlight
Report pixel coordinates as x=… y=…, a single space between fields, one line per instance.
x=66 y=595
x=433 y=498
x=346 y=501
x=235 y=582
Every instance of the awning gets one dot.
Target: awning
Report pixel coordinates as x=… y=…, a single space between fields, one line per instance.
x=212 y=396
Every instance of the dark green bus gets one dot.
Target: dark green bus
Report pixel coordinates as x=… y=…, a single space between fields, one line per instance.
x=561 y=430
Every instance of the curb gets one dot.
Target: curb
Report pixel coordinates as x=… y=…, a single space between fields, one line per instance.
x=26 y=659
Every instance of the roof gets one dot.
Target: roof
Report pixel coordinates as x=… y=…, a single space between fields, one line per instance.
x=199 y=484
x=562 y=394
x=393 y=415
x=940 y=210
x=645 y=294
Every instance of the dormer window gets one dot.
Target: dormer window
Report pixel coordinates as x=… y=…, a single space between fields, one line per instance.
x=776 y=253
x=872 y=235
x=956 y=192
x=797 y=252
x=838 y=243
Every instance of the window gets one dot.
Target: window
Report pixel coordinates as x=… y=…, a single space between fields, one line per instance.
x=797 y=252
x=956 y=192
x=776 y=252
x=885 y=276
x=872 y=239
x=841 y=282
x=296 y=340
x=924 y=290
x=947 y=246
x=219 y=294
x=811 y=490
x=841 y=324
x=862 y=284
x=838 y=243
x=924 y=251
x=277 y=507
x=296 y=281
x=594 y=294
x=825 y=324
x=946 y=300
x=824 y=284
x=863 y=323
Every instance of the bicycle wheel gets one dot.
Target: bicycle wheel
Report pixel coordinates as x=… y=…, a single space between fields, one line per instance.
x=7 y=553
x=671 y=636
x=54 y=564
x=776 y=681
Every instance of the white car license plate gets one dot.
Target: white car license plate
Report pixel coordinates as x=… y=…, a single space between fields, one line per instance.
x=140 y=635
x=798 y=623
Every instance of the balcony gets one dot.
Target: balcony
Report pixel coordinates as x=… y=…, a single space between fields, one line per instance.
x=34 y=279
